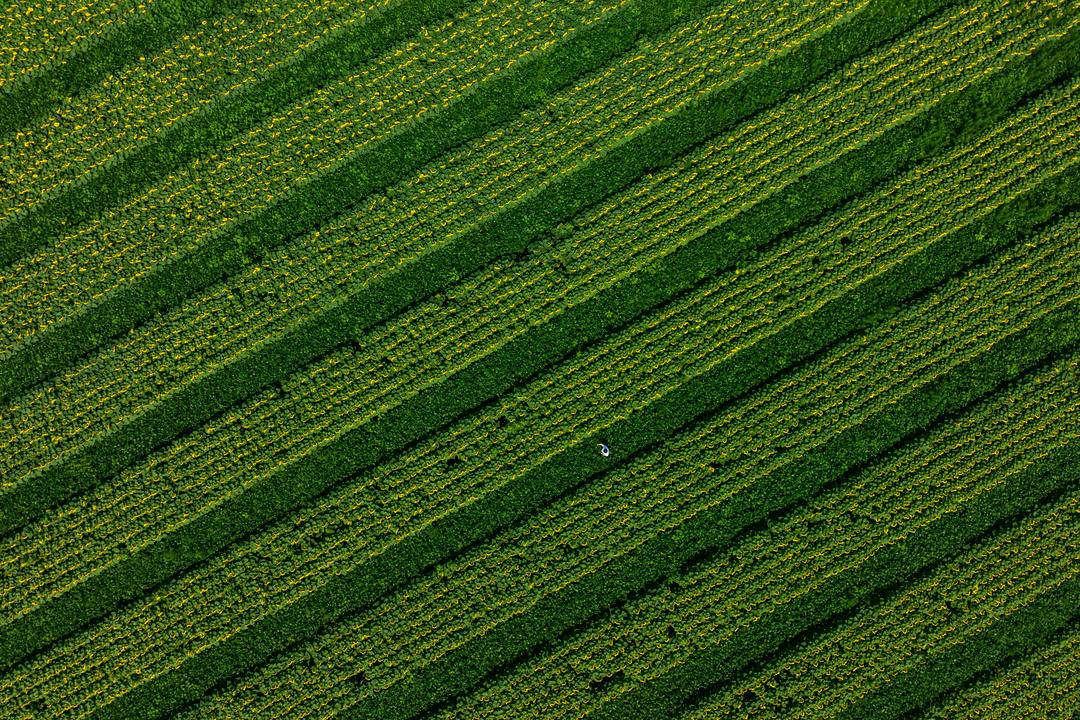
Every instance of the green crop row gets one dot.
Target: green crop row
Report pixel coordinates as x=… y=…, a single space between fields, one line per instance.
x=176 y=216
x=837 y=674
x=59 y=56
x=173 y=148
x=110 y=585
x=232 y=52
x=37 y=35
x=196 y=403
x=331 y=193
x=477 y=516
x=83 y=405
x=656 y=491
x=681 y=341
x=1044 y=682
x=424 y=345
x=579 y=395
x=387 y=368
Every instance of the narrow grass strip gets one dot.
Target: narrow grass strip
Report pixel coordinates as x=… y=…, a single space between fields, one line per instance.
x=180 y=144
x=665 y=696
x=334 y=192
x=492 y=512
x=142 y=36
x=506 y=234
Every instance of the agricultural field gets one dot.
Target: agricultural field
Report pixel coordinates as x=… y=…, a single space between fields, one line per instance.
x=514 y=359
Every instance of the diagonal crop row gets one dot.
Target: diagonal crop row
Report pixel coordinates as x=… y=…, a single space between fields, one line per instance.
x=308 y=275
x=129 y=107
x=257 y=438
x=352 y=451
x=571 y=403
x=616 y=239
x=172 y=148
x=323 y=199
x=196 y=403
x=507 y=576
x=37 y=35
x=434 y=680
x=881 y=645
x=1040 y=685
x=177 y=215
x=811 y=552
x=273 y=431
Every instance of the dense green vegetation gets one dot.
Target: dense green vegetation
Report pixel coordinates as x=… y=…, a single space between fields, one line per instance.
x=162 y=21
x=800 y=258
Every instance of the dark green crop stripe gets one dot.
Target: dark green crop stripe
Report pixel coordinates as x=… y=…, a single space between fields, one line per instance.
x=178 y=145
x=334 y=193
x=538 y=349
x=463 y=669
x=1016 y=650
x=933 y=544
x=1017 y=635
x=458 y=671
x=164 y=21
x=645 y=428
x=507 y=233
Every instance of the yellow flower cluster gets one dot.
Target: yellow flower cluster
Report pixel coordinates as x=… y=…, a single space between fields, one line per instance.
x=36 y=35
x=229 y=53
